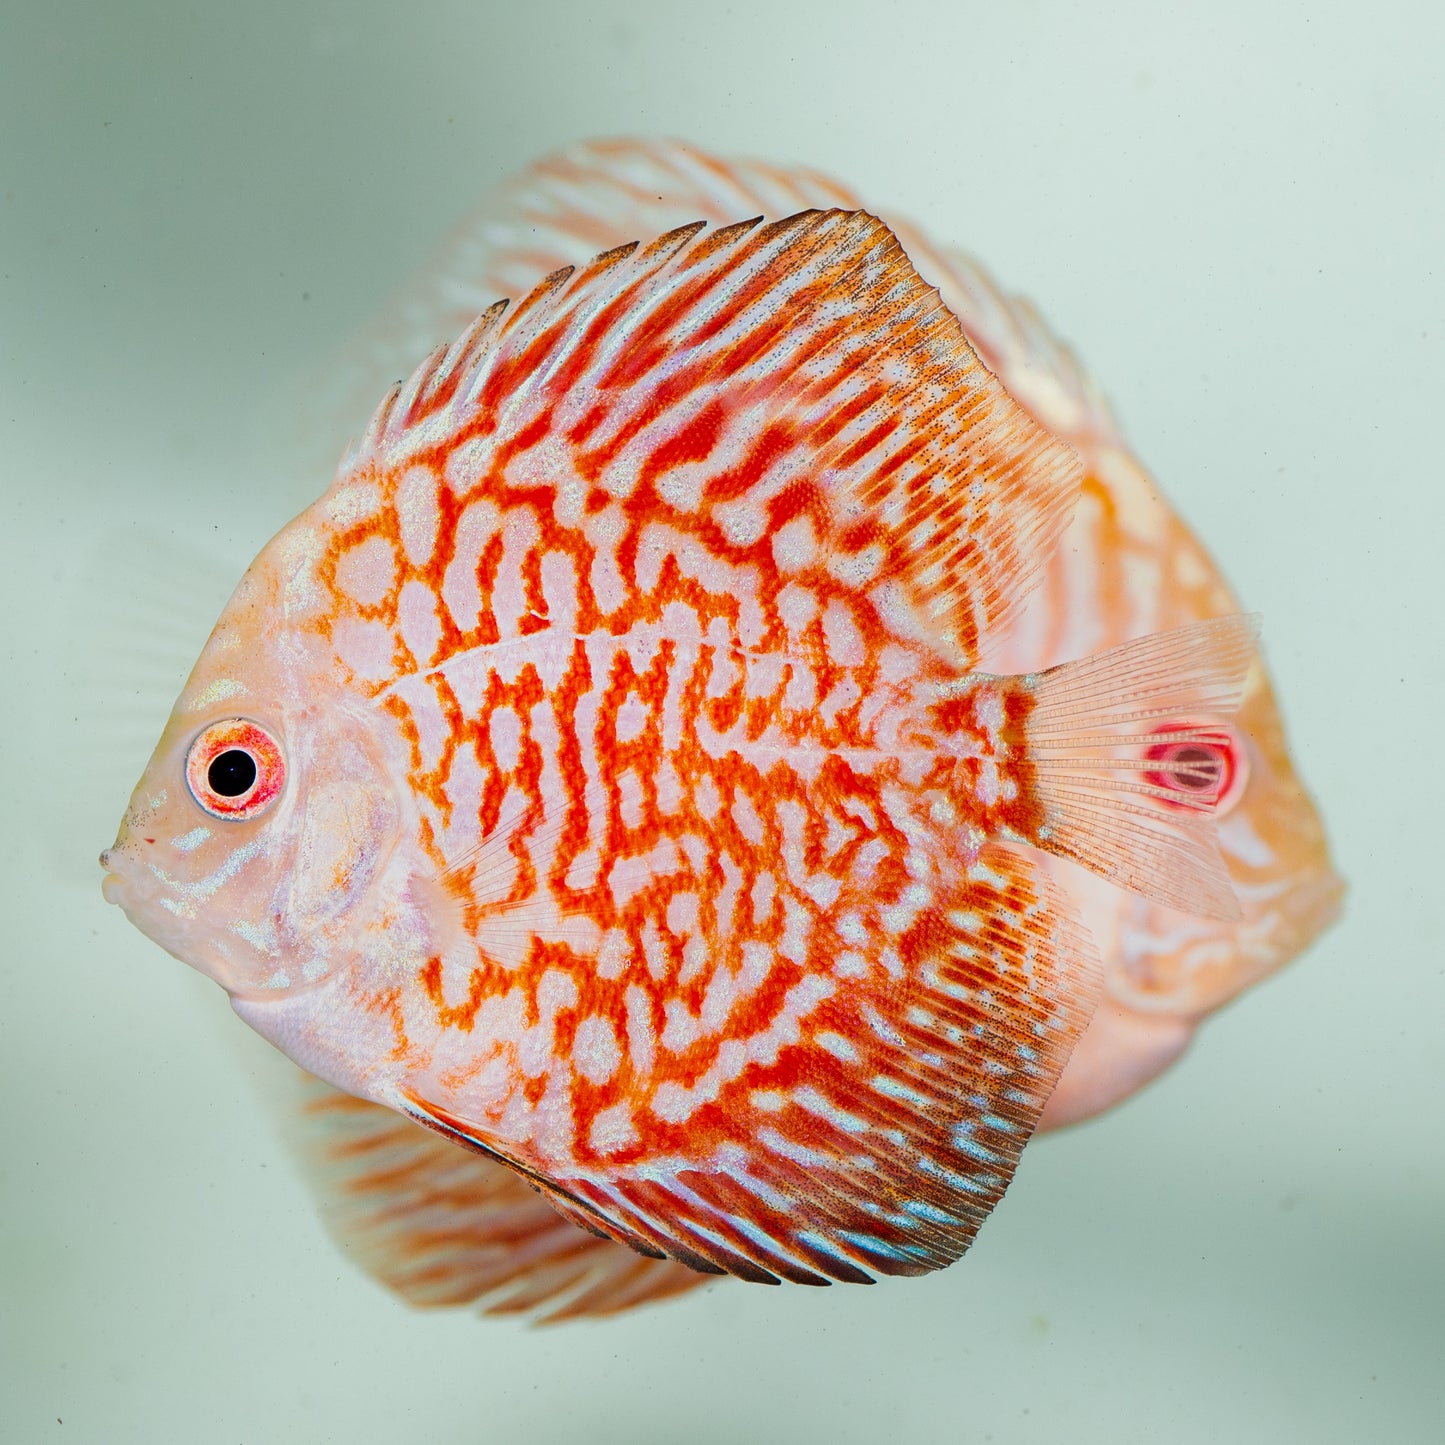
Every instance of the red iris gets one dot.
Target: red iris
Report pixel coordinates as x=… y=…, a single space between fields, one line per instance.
x=234 y=769
x=1203 y=765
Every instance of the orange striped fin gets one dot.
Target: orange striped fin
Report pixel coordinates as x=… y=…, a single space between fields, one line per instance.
x=564 y=208
x=876 y=1122
x=794 y=381
x=442 y=1225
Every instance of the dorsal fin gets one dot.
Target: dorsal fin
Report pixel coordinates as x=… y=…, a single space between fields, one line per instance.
x=594 y=194
x=796 y=374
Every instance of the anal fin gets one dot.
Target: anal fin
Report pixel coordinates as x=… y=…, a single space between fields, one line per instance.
x=880 y=1138
x=884 y=1117
x=443 y=1226
x=575 y=1211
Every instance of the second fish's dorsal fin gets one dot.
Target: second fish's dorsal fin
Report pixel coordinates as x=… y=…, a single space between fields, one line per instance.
x=794 y=389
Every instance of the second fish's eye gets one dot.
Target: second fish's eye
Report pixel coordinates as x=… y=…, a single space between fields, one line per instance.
x=1202 y=764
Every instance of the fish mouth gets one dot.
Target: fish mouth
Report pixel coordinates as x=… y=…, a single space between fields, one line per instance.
x=112 y=884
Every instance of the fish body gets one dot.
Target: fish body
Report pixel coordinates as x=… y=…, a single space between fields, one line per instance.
x=602 y=775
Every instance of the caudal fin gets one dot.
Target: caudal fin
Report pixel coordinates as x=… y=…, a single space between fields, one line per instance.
x=1129 y=760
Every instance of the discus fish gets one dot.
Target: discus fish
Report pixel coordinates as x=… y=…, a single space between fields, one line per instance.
x=602 y=775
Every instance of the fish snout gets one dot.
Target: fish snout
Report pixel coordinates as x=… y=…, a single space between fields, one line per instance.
x=119 y=862
x=112 y=884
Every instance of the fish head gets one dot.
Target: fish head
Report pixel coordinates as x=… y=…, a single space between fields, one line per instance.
x=268 y=811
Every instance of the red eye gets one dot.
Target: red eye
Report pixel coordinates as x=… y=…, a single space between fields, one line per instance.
x=1202 y=764
x=235 y=769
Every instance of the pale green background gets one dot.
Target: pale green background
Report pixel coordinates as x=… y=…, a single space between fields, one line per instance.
x=1233 y=210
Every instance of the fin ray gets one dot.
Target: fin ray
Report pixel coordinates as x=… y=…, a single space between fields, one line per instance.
x=1111 y=802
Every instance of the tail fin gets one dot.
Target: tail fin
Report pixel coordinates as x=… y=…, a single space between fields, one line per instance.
x=1127 y=767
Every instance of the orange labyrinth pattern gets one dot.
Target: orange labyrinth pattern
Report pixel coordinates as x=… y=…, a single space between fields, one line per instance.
x=666 y=585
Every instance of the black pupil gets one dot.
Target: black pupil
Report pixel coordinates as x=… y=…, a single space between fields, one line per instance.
x=232 y=773
x=1199 y=768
